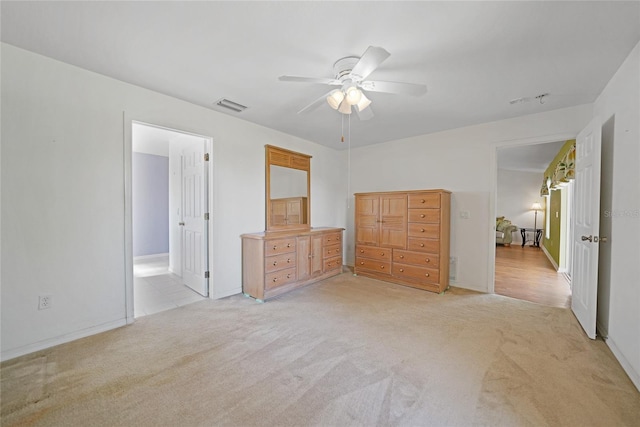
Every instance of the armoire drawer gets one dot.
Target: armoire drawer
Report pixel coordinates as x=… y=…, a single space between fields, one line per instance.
x=278 y=262
x=424 y=200
x=416 y=258
x=383 y=254
x=413 y=272
x=331 y=251
x=279 y=278
x=279 y=246
x=431 y=231
x=423 y=245
x=373 y=265
x=431 y=216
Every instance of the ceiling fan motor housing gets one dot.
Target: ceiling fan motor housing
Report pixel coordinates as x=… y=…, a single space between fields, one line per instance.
x=343 y=66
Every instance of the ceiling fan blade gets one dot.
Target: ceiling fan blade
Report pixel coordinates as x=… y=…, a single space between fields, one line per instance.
x=412 y=89
x=370 y=60
x=365 y=114
x=315 y=104
x=310 y=80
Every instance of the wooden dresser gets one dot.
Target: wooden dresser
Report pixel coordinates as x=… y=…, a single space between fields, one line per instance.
x=403 y=237
x=287 y=211
x=277 y=262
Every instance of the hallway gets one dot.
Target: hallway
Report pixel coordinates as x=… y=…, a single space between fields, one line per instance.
x=525 y=273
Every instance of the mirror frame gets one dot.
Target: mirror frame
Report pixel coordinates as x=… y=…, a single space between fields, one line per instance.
x=289 y=159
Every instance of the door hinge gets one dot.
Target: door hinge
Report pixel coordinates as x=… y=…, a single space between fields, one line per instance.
x=206 y=157
x=206 y=216
x=206 y=274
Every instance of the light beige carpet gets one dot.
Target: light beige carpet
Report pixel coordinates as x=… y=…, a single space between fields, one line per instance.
x=347 y=351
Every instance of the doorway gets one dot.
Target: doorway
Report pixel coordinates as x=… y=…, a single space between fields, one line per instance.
x=524 y=269
x=169 y=188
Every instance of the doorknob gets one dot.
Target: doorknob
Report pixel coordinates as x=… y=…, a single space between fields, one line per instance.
x=587 y=238
x=181 y=223
x=597 y=239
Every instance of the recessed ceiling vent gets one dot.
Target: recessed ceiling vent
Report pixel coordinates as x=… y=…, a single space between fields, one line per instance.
x=223 y=102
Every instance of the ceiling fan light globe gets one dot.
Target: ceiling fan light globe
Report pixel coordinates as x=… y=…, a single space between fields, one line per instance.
x=363 y=103
x=345 y=107
x=335 y=98
x=353 y=95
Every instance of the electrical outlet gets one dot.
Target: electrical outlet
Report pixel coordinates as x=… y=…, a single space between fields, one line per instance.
x=45 y=301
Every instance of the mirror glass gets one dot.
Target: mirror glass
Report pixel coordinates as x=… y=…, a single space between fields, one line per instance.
x=288 y=200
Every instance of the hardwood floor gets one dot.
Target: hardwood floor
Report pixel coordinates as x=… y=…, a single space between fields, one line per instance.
x=526 y=274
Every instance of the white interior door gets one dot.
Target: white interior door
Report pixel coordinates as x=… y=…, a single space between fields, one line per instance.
x=194 y=225
x=586 y=227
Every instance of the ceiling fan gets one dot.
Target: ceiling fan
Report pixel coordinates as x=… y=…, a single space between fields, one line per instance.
x=350 y=74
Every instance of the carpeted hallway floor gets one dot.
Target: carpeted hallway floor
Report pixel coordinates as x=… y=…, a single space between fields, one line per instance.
x=346 y=351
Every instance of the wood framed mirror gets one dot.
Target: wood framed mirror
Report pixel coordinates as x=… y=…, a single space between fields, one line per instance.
x=288 y=189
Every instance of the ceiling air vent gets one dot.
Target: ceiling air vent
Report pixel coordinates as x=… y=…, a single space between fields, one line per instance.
x=238 y=108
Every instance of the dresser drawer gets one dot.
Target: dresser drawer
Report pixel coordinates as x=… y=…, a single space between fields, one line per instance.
x=332 y=263
x=279 y=246
x=416 y=258
x=424 y=215
x=332 y=238
x=424 y=200
x=279 y=278
x=331 y=251
x=431 y=231
x=278 y=262
x=423 y=245
x=373 y=265
x=413 y=272
x=383 y=254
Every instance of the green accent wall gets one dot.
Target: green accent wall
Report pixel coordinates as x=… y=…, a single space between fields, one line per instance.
x=552 y=244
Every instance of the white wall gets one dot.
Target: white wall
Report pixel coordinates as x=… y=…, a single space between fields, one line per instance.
x=516 y=192
x=63 y=194
x=462 y=161
x=621 y=100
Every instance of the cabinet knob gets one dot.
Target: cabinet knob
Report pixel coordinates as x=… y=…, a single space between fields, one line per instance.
x=422 y=245
x=288 y=245
x=275 y=247
x=275 y=263
x=422 y=201
x=275 y=279
x=427 y=260
x=426 y=274
x=421 y=215
x=288 y=260
x=361 y=251
x=382 y=267
x=422 y=230
x=361 y=262
x=289 y=276
x=382 y=254
x=401 y=270
x=401 y=256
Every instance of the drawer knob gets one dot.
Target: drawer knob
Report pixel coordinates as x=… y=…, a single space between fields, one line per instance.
x=401 y=256
x=422 y=200
x=275 y=247
x=289 y=276
x=382 y=267
x=427 y=260
x=288 y=260
x=426 y=274
x=275 y=279
x=422 y=230
x=382 y=254
x=361 y=262
x=401 y=270
x=422 y=245
x=288 y=245
x=275 y=263
x=421 y=215
x=361 y=251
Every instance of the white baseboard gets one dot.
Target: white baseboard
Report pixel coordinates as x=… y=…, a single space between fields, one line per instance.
x=52 y=342
x=544 y=250
x=633 y=375
x=223 y=293
x=136 y=258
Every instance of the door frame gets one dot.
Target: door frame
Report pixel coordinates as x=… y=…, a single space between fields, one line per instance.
x=128 y=123
x=493 y=168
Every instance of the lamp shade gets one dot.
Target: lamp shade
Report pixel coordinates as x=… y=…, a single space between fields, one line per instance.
x=363 y=103
x=335 y=98
x=345 y=107
x=353 y=95
x=536 y=206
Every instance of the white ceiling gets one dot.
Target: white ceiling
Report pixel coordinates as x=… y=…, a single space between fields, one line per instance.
x=473 y=56
x=528 y=158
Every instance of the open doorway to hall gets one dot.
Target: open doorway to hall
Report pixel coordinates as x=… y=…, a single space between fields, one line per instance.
x=532 y=230
x=164 y=190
